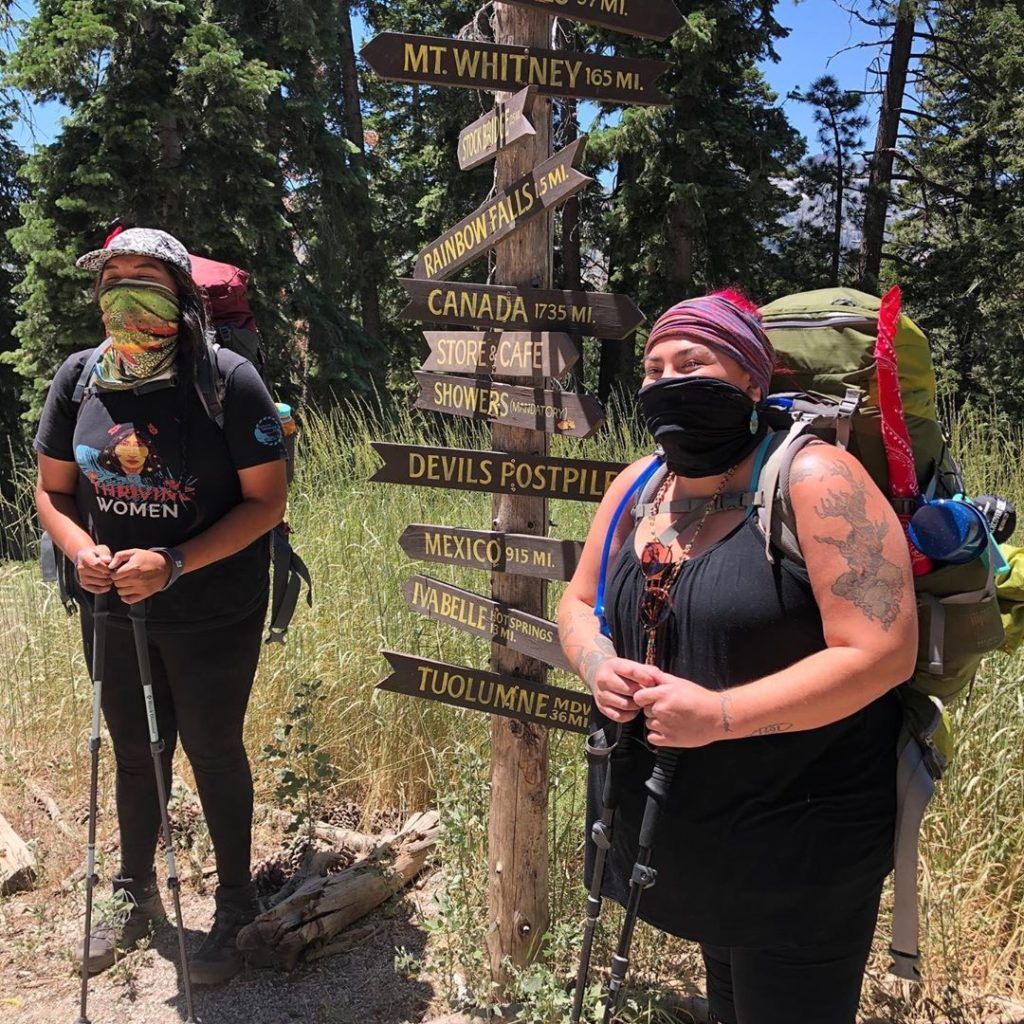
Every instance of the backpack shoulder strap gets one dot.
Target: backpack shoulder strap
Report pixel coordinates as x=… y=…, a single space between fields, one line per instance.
x=290 y=571
x=84 y=383
x=209 y=380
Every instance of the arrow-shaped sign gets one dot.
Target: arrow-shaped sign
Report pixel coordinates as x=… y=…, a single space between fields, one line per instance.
x=653 y=19
x=470 y=64
x=509 y=354
x=505 y=124
x=554 y=412
x=488 y=692
x=544 y=188
x=596 y=314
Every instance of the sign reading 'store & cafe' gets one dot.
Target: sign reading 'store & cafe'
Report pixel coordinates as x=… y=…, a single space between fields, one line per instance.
x=470 y=64
x=501 y=354
x=507 y=123
x=488 y=692
x=544 y=188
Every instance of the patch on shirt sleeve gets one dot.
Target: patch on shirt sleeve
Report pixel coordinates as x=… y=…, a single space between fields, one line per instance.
x=268 y=431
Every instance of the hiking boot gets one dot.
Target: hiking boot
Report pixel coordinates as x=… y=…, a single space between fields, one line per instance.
x=218 y=958
x=122 y=934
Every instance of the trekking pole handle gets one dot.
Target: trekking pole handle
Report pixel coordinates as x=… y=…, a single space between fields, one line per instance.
x=658 y=786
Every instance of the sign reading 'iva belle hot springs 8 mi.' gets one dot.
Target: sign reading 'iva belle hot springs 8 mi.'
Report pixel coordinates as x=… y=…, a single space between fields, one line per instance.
x=503 y=307
x=554 y=412
x=502 y=354
x=506 y=124
x=471 y=64
x=529 y=634
x=488 y=692
x=460 y=469
x=544 y=188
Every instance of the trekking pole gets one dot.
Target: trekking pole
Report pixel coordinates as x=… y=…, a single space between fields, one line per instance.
x=616 y=739
x=99 y=648
x=644 y=876
x=137 y=613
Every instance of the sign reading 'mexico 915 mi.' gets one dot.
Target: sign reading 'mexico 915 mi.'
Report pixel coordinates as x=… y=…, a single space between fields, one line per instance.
x=460 y=469
x=503 y=307
x=544 y=188
x=488 y=692
x=469 y=64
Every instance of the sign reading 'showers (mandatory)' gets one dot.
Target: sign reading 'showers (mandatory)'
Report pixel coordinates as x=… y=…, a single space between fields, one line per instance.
x=554 y=412
x=470 y=64
x=488 y=692
x=544 y=188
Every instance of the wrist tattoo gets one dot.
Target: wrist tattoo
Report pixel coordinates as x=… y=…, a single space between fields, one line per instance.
x=726 y=717
x=773 y=730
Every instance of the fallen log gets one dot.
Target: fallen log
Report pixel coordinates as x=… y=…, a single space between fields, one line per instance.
x=323 y=907
x=49 y=805
x=17 y=862
x=359 y=842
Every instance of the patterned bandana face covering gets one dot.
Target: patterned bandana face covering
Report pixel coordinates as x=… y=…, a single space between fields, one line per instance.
x=142 y=319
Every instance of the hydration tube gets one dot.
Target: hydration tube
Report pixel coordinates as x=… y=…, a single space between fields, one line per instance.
x=641 y=481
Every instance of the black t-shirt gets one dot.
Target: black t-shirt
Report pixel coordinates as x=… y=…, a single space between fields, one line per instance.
x=155 y=470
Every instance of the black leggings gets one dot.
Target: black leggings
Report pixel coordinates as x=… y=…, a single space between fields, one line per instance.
x=817 y=984
x=201 y=685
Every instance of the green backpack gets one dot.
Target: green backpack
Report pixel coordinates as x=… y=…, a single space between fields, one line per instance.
x=825 y=342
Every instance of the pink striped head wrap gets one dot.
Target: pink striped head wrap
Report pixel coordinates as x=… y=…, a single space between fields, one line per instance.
x=719 y=323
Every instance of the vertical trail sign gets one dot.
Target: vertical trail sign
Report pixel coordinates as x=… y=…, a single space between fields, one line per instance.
x=506 y=124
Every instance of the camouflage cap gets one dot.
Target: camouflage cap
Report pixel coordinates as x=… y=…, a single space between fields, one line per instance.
x=139 y=242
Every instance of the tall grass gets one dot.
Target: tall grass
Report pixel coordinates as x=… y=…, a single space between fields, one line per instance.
x=399 y=752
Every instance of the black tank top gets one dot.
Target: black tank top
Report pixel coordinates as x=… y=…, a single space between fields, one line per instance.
x=764 y=841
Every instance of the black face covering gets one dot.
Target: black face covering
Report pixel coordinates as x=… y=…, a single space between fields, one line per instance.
x=703 y=423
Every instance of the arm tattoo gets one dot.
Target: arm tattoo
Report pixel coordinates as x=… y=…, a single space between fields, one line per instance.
x=872 y=583
x=773 y=730
x=726 y=717
x=586 y=651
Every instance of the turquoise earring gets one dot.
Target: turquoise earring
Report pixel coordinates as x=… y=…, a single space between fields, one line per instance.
x=754 y=422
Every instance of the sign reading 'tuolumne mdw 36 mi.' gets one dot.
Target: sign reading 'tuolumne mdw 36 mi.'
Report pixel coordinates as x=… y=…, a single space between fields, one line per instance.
x=488 y=692
x=502 y=354
x=506 y=124
x=554 y=412
x=545 y=187
x=471 y=64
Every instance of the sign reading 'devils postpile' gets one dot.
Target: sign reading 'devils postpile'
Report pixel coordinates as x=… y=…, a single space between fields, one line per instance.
x=469 y=64
x=506 y=124
x=486 y=691
x=502 y=354
x=544 y=188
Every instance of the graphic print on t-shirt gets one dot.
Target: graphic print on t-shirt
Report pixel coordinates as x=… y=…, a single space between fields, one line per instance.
x=130 y=476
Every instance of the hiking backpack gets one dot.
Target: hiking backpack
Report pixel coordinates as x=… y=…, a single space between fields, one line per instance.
x=233 y=327
x=826 y=387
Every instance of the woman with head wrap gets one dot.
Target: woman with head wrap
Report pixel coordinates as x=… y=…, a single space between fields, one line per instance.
x=152 y=501
x=773 y=679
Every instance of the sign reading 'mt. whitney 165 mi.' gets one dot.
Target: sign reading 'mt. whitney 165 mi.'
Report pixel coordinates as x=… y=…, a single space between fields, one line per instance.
x=654 y=19
x=544 y=188
x=509 y=354
x=507 y=123
x=503 y=307
x=435 y=60
x=488 y=692
x=554 y=412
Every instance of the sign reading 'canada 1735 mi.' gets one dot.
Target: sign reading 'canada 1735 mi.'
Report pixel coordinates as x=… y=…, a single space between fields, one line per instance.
x=506 y=124
x=554 y=412
x=508 y=354
x=516 y=553
x=529 y=634
x=544 y=188
x=469 y=64
x=502 y=307
x=653 y=19
x=460 y=469
x=488 y=692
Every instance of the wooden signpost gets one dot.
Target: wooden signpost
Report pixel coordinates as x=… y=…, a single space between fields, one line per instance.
x=510 y=696
x=503 y=126
x=614 y=317
x=554 y=412
x=471 y=64
x=506 y=354
x=461 y=469
x=652 y=19
x=492 y=620
x=544 y=188
x=519 y=554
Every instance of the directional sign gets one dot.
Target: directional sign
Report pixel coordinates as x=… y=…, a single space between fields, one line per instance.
x=460 y=469
x=518 y=554
x=506 y=124
x=470 y=64
x=653 y=19
x=596 y=314
x=554 y=412
x=510 y=354
x=488 y=692
x=492 y=620
x=545 y=187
